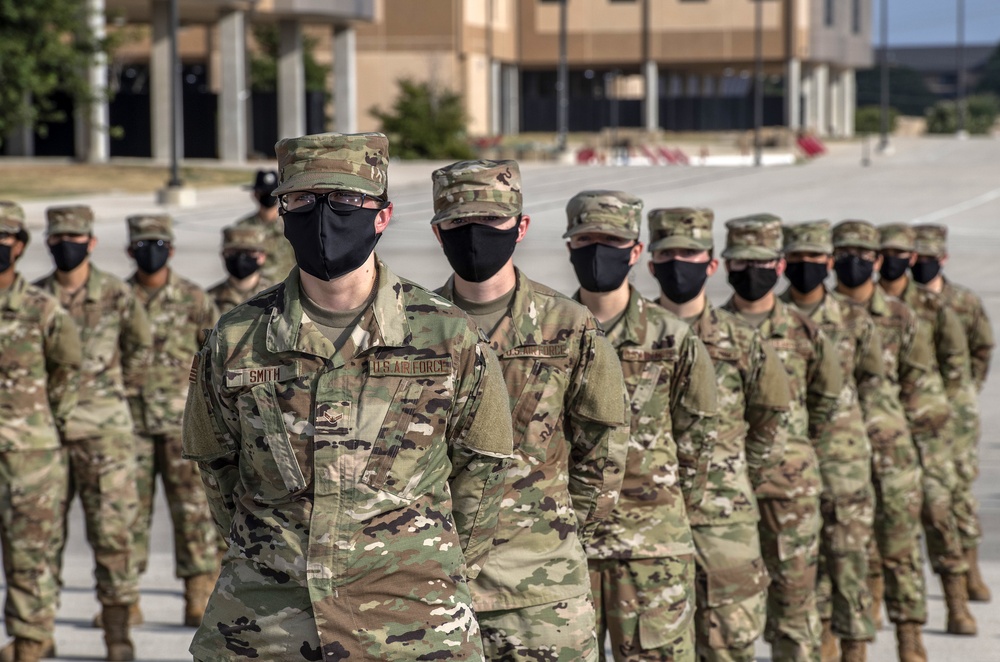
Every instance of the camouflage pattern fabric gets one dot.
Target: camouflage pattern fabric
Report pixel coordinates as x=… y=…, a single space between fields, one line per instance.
x=680 y=227
x=755 y=237
x=848 y=501
x=972 y=314
x=649 y=607
x=754 y=399
x=150 y=227
x=179 y=314
x=359 y=489
x=476 y=188
x=39 y=368
x=333 y=161
x=280 y=256
x=69 y=219
x=117 y=340
x=788 y=497
x=227 y=296
x=615 y=213
x=562 y=631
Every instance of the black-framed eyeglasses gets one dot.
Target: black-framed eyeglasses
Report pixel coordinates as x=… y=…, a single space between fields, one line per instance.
x=341 y=202
x=142 y=243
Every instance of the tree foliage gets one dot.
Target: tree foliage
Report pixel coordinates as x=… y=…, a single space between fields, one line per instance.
x=981 y=113
x=264 y=61
x=45 y=46
x=868 y=119
x=989 y=80
x=425 y=122
x=907 y=90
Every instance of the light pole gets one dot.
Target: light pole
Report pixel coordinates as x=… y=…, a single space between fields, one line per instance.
x=176 y=116
x=960 y=73
x=758 y=83
x=883 y=143
x=562 y=84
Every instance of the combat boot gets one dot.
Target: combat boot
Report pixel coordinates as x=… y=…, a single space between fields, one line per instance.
x=960 y=620
x=116 y=637
x=909 y=643
x=135 y=617
x=876 y=586
x=853 y=651
x=197 y=591
x=978 y=590
x=27 y=650
x=828 y=644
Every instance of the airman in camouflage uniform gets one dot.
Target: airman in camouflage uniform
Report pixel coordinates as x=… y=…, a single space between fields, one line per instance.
x=896 y=473
x=848 y=500
x=98 y=439
x=788 y=497
x=754 y=399
x=179 y=312
x=358 y=478
x=642 y=566
x=932 y=424
x=244 y=255
x=932 y=252
x=39 y=372
x=280 y=257
x=567 y=399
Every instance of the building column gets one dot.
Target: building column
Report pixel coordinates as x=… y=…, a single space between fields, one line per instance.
x=345 y=79
x=233 y=94
x=651 y=107
x=793 y=94
x=836 y=107
x=849 y=92
x=91 y=118
x=512 y=100
x=821 y=91
x=160 y=80
x=291 y=81
x=496 y=98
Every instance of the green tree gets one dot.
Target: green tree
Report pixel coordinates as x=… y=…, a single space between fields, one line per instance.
x=907 y=90
x=264 y=62
x=981 y=112
x=45 y=46
x=989 y=81
x=425 y=122
x=869 y=119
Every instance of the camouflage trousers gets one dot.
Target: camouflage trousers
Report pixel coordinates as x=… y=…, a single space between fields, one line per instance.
x=646 y=606
x=966 y=453
x=33 y=487
x=894 y=550
x=847 y=506
x=944 y=542
x=102 y=472
x=731 y=588
x=562 y=631
x=195 y=537
x=789 y=542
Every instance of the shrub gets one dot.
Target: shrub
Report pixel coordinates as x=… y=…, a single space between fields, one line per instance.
x=425 y=122
x=869 y=119
x=981 y=113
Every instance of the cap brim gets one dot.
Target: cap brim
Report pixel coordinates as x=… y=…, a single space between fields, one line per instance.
x=147 y=236
x=476 y=208
x=328 y=181
x=600 y=228
x=686 y=243
x=866 y=245
x=896 y=246
x=808 y=247
x=750 y=253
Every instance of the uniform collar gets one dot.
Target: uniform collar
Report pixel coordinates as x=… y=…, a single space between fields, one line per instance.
x=707 y=326
x=520 y=325
x=878 y=305
x=14 y=296
x=632 y=327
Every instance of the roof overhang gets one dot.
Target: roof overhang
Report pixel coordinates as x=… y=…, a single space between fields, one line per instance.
x=208 y=11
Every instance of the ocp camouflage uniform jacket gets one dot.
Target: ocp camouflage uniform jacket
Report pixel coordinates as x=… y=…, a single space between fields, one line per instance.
x=39 y=368
x=226 y=296
x=569 y=411
x=280 y=256
x=816 y=381
x=363 y=484
x=942 y=325
x=117 y=340
x=971 y=313
x=754 y=401
x=671 y=388
x=179 y=314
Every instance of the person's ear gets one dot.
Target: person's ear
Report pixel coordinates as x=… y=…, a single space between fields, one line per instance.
x=383 y=218
x=522 y=227
x=713 y=266
x=635 y=254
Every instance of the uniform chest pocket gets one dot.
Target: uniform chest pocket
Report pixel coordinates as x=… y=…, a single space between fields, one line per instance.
x=536 y=411
x=269 y=466
x=648 y=375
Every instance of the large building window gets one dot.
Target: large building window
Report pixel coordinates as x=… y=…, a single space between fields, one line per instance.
x=828 y=12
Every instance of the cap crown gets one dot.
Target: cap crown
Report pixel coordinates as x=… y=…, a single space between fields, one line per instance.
x=73 y=219
x=145 y=227
x=681 y=227
x=610 y=212
x=808 y=237
x=265 y=180
x=334 y=161
x=243 y=237
x=755 y=237
x=11 y=217
x=855 y=234
x=931 y=239
x=899 y=236
x=477 y=188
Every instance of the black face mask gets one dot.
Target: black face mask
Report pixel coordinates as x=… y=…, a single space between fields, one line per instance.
x=893 y=268
x=68 y=254
x=240 y=265
x=5 y=257
x=329 y=244
x=151 y=256
x=806 y=276
x=753 y=283
x=925 y=272
x=600 y=268
x=267 y=200
x=852 y=271
x=476 y=251
x=681 y=281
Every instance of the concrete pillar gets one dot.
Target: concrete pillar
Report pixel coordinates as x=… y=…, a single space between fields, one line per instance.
x=836 y=108
x=291 y=81
x=233 y=93
x=345 y=79
x=91 y=119
x=496 y=98
x=512 y=100
x=821 y=90
x=849 y=94
x=160 y=80
x=651 y=107
x=793 y=94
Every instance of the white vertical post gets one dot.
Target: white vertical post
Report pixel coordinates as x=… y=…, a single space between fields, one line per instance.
x=291 y=81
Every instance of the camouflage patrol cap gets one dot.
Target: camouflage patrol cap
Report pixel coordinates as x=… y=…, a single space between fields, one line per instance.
x=856 y=234
x=899 y=236
x=681 y=227
x=143 y=227
x=11 y=218
x=754 y=237
x=807 y=237
x=477 y=188
x=244 y=238
x=610 y=212
x=931 y=240
x=356 y=162
x=73 y=219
